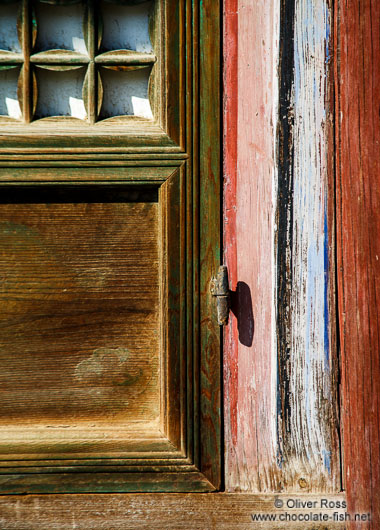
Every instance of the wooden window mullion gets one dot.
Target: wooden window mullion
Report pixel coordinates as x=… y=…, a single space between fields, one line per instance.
x=91 y=91
x=26 y=73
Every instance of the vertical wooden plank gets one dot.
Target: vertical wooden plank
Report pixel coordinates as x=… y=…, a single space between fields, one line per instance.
x=230 y=139
x=210 y=232
x=309 y=444
x=250 y=100
x=175 y=75
x=358 y=221
x=92 y=77
x=281 y=428
x=195 y=192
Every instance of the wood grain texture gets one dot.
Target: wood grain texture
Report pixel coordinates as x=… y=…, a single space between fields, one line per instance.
x=158 y=512
x=280 y=262
x=250 y=63
x=46 y=452
x=117 y=481
x=307 y=386
x=209 y=122
x=132 y=174
x=358 y=221
x=230 y=175
x=131 y=134
x=185 y=453
x=173 y=82
x=79 y=313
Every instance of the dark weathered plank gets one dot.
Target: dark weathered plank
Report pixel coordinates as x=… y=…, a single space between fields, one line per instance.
x=45 y=173
x=174 y=76
x=173 y=374
x=104 y=482
x=358 y=221
x=26 y=72
x=209 y=230
x=130 y=134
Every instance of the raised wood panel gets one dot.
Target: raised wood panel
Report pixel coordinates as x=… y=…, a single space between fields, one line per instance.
x=87 y=267
x=82 y=267
x=79 y=313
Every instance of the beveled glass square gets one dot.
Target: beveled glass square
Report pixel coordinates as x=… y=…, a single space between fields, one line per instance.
x=60 y=27
x=9 y=101
x=126 y=27
x=125 y=93
x=60 y=93
x=9 y=37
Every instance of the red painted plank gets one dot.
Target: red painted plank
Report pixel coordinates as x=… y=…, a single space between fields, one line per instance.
x=358 y=222
x=264 y=449
x=230 y=138
x=249 y=169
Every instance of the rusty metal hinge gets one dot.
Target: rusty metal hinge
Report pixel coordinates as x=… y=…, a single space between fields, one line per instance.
x=219 y=289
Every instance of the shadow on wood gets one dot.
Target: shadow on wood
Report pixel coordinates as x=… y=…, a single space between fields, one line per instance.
x=241 y=306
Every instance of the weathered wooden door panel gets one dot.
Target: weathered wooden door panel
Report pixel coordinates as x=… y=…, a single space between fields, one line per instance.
x=108 y=381
x=79 y=313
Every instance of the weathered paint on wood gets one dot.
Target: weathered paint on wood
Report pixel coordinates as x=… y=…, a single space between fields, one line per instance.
x=287 y=440
x=308 y=425
x=251 y=51
x=158 y=512
x=358 y=243
x=230 y=342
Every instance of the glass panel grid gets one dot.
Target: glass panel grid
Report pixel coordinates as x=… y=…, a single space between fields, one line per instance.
x=63 y=36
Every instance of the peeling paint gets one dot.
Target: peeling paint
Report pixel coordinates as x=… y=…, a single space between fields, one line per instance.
x=306 y=395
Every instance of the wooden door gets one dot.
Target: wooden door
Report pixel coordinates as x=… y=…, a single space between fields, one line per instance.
x=108 y=173
x=67 y=181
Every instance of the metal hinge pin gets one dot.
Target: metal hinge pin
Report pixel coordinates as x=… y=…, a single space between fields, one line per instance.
x=219 y=288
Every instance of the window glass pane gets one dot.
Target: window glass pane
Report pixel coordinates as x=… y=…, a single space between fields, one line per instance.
x=60 y=93
x=125 y=93
x=126 y=27
x=60 y=27
x=8 y=27
x=9 y=104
